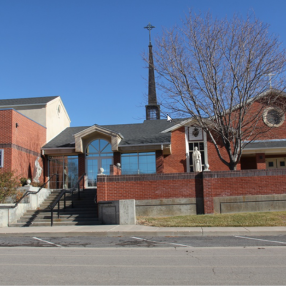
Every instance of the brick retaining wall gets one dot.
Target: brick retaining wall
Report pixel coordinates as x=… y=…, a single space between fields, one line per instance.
x=148 y=187
x=242 y=183
x=207 y=185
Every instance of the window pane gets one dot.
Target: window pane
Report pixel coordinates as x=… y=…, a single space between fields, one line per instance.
x=147 y=164
x=105 y=146
x=129 y=163
x=138 y=163
x=105 y=164
x=92 y=170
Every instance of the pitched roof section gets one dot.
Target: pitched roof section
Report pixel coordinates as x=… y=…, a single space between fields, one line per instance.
x=148 y=132
x=266 y=144
x=26 y=101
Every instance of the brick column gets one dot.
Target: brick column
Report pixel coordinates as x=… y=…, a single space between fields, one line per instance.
x=159 y=162
x=260 y=161
x=81 y=167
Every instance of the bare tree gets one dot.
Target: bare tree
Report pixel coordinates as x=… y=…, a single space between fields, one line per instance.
x=215 y=71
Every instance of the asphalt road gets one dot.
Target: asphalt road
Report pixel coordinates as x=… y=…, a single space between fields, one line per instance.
x=230 y=260
x=143 y=266
x=151 y=242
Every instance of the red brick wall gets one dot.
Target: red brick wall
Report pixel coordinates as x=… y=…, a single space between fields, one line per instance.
x=269 y=133
x=176 y=162
x=148 y=187
x=6 y=138
x=242 y=183
x=189 y=185
x=114 y=170
x=214 y=161
x=23 y=143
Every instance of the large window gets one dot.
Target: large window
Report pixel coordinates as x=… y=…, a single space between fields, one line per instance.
x=138 y=163
x=66 y=168
x=98 y=155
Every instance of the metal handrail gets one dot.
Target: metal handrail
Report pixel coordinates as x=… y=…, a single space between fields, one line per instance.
x=26 y=194
x=63 y=193
x=78 y=186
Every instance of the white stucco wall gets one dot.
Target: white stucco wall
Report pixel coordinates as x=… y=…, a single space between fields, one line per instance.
x=57 y=118
x=35 y=112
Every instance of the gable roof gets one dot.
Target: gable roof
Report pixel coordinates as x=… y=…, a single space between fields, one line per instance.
x=148 y=132
x=27 y=101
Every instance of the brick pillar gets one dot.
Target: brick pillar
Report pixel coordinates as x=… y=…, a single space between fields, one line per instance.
x=159 y=162
x=116 y=158
x=260 y=161
x=81 y=167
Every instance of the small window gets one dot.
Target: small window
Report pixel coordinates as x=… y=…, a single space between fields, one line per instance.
x=1 y=158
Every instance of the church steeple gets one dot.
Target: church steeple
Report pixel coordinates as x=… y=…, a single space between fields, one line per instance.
x=152 y=109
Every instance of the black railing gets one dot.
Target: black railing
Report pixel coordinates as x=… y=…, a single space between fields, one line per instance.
x=26 y=194
x=63 y=193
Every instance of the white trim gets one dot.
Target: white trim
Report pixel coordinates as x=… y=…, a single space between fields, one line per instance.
x=265 y=119
x=148 y=144
x=267 y=151
x=269 y=140
x=2 y=158
x=199 y=135
x=182 y=123
x=187 y=149
x=206 y=148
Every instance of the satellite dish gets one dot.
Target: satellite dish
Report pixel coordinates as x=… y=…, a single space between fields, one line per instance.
x=169 y=119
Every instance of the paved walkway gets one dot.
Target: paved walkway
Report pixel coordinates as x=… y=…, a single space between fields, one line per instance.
x=138 y=230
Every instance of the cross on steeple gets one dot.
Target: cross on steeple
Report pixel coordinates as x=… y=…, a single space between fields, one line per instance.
x=152 y=108
x=149 y=27
x=270 y=77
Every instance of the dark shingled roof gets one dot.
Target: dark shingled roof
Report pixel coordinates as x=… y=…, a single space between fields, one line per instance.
x=148 y=132
x=266 y=144
x=27 y=101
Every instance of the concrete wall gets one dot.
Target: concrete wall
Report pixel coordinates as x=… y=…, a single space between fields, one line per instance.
x=11 y=215
x=166 y=207
x=117 y=212
x=258 y=203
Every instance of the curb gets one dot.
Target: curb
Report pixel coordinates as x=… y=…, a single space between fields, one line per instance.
x=198 y=232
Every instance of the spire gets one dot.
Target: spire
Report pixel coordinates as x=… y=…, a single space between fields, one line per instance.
x=152 y=98
x=152 y=109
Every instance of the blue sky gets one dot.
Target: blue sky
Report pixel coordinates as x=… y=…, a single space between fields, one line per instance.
x=90 y=52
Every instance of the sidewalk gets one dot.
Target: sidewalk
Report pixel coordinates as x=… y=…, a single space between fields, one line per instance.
x=139 y=230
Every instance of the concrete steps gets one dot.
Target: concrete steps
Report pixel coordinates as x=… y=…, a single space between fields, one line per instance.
x=84 y=211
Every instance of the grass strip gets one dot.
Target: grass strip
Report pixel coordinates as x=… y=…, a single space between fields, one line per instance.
x=237 y=219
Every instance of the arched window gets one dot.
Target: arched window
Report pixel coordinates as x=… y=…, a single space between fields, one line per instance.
x=99 y=148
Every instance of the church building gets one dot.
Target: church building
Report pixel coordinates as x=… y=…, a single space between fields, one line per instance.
x=37 y=141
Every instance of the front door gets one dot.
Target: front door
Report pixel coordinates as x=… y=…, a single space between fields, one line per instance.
x=98 y=155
